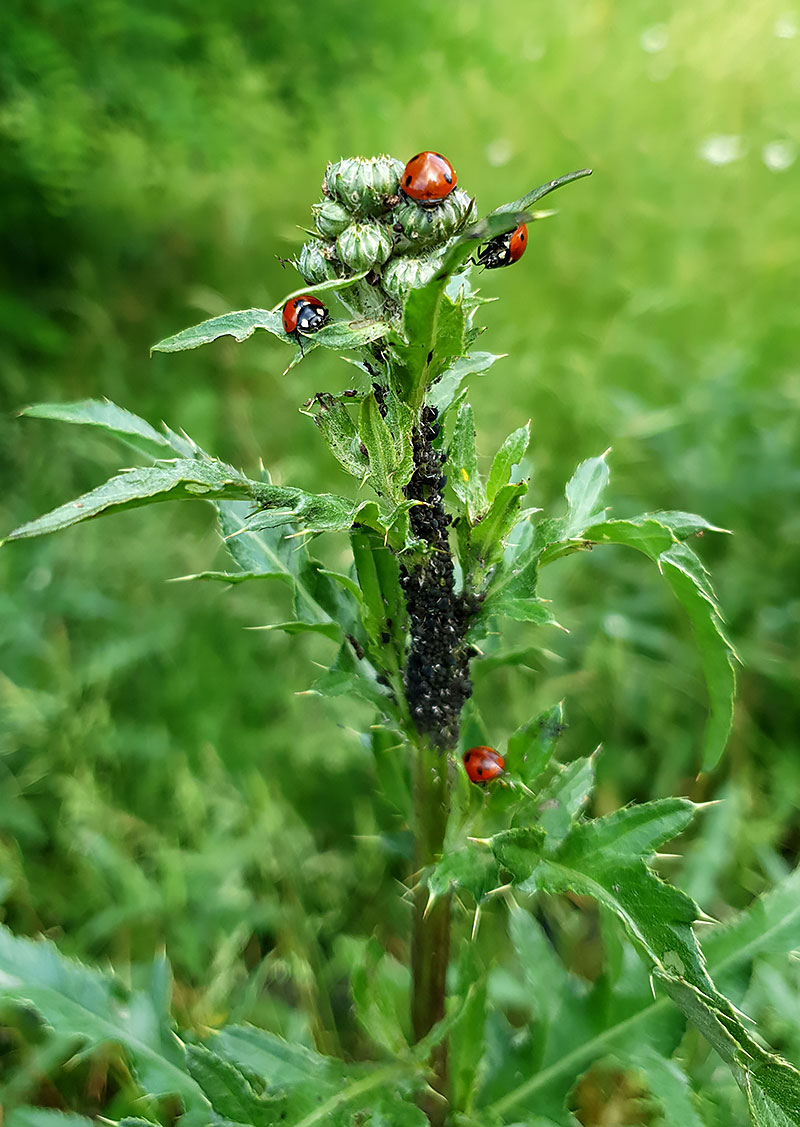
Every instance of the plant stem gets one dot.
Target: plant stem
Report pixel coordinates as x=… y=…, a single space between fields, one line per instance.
x=431 y=940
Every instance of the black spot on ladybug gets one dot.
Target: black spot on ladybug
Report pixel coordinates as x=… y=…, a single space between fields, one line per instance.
x=408 y=180
x=448 y=178
x=479 y=771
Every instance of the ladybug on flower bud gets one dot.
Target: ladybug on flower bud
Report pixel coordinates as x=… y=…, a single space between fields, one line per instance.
x=304 y=315
x=428 y=178
x=483 y=764
x=503 y=250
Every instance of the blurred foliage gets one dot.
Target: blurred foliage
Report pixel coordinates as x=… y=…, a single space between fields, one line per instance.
x=162 y=783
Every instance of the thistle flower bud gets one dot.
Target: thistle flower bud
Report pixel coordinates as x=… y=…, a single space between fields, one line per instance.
x=314 y=263
x=331 y=218
x=364 y=245
x=363 y=184
x=406 y=272
x=429 y=225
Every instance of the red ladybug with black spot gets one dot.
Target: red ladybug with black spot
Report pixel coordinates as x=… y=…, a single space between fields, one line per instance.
x=483 y=764
x=428 y=178
x=503 y=250
x=305 y=315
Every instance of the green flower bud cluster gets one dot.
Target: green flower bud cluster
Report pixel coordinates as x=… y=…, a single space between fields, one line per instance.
x=364 y=222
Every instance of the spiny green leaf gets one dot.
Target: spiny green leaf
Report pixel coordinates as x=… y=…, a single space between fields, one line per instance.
x=244 y=322
x=380 y=986
x=690 y=582
x=471 y=869
x=769 y=925
x=240 y=325
x=442 y=394
x=530 y=198
x=771 y=1084
x=229 y=1092
x=341 y=434
x=463 y=464
x=76 y=999
x=466 y=1046
x=487 y=538
x=509 y=455
x=175 y=480
x=388 y=451
x=564 y=797
x=313 y=512
x=584 y=490
x=108 y=416
x=533 y=745
x=519 y=850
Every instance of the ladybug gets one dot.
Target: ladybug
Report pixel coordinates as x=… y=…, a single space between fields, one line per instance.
x=503 y=250
x=304 y=315
x=428 y=178
x=483 y=764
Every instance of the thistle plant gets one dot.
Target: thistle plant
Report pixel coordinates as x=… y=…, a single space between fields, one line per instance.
x=441 y=555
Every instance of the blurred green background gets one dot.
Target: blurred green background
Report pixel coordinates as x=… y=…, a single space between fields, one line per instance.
x=162 y=783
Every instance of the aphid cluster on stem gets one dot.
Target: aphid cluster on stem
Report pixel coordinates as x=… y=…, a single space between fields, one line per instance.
x=437 y=677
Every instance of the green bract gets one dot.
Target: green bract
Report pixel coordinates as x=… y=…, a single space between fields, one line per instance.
x=429 y=225
x=364 y=185
x=361 y=246
x=315 y=263
x=331 y=217
x=406 y=272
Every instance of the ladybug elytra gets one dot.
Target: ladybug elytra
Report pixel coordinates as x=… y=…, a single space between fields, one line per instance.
x=503 y=250
x=483 y=764
x=304 y=315
x=428 y=178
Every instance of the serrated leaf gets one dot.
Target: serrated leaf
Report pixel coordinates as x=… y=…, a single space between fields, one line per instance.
x=75 y=999
x=487 y=538
x=240 y=325
x=771 y=1084
x=603 y=859
x=690 y=582
x=434 y=334
x=389 y=454
x=470 y=869
x=509 y=455
x=533 y=745
x=380 y=986
x=660 y=537
x=530 y=198
x=584 y=490
x=463 y=465
x=341 y=434
x=467 y=1038
x=445 y=390
x=769 y=925
x=228 y=1090
x=519 y=850
x=108 y=416
x=314 y=512
x=564 y=797
x=269 y=554
x=176 y=480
